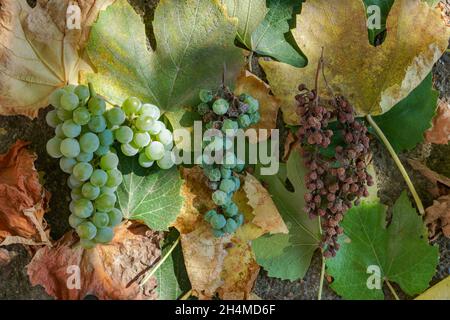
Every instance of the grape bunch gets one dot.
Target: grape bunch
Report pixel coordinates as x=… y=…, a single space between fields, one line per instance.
x=334 y=184
x=228 y=113
x=83 y=144
x=142 y=133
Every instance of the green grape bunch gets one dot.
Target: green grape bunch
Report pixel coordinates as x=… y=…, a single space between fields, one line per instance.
x=224 y=111
x=83 y=144
x=144 y=134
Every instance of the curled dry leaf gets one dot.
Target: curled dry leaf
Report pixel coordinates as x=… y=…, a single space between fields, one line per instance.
x=6 y=256
x=440 y=132
x=39 y=53
x=437 y=216
x=110 y=271
x=23 y=200
x=226 y=265
x=374 y=79
x=268 y=104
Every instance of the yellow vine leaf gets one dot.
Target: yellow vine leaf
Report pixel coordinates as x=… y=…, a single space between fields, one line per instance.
x=374 y=79
x=38 y=52
x=440 y=291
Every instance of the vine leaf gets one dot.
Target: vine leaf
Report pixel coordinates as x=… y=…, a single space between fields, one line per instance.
x=39 y=53
x=374 y=79
x=440 y=291
x=194 y=39
x=401 y=251
x=287 y=256
x=404 y=125
x=149 y=195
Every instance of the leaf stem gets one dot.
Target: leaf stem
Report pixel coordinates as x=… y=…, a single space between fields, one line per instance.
x=91 y=90
x=160 y=262
x=391 y=288
x=250 y=60
x=187 y=295
x=398 y=163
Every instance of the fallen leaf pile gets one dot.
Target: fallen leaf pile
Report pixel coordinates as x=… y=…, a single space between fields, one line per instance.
x=39 y=53
x=110 y=271
x=23 y=200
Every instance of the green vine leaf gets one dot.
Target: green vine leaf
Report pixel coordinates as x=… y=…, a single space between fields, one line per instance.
x=149 y=195
x=404 y=125
x=288 y=256
x=401 y=251
x=194 y=40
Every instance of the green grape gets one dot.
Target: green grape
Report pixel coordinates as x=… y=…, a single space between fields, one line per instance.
x=82 y=92
x=225 y=173
x=215 y=144
x=114 y=178
x=157 y=127
x=124 y=134
x=73 y=182
x=69 y=101
x=108 y=190
x=150 y=110
x=155 y=150
x=109 y=161
x=167 y=161
x=209 y=125
x=100 y=219
x=253 y=104
x=255 y=117
x=115 y=217
x=63 y=114
x=102 y=150
x=240 y=166
x=75 y=194
x=237 y=182
x=230 y=127
x=220 y=106
x=54 y=147
x=220 y=198
x=81 y=116
x=227 y=185
x=141 y=139
x=55 y=98
x=97 y=124
x=231 y=209
x=129 y=150
x=52 y=118
x=82 y=208
x=69 y=88
x=244 y=121
x=67 y=164
x=229 y=161
x=144 y=123
x=230 y=227
x=96 y=106
x=89 y=142
x=105 y=202
x=169 y=146
x=75 y=221
x=104 y=235
x=115 y=116
x=213 y=174
x=165 y=137
x=87 y=244
x=205 y=95
x=71 y=129
x=70 y=148
x=106 y=137
x=228 y=144
x=144 y=161
x=58 y=131
x=82 y=171
x=85 y=156
x=86 y=230
x=99 y=177
x=239 y=219
x=203 y=108
x=131 y=106
x=209 y=215
x=89 y=191
x=218 y=221
x=218 y=233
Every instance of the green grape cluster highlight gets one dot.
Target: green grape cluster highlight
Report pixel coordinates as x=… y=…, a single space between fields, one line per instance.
x=228 y=113
x=144 y=134
x=83 y=144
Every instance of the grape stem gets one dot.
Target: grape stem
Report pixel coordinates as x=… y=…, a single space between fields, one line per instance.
x=160 y=262
x=398 y=163
x=391 y=288
x=322 y=272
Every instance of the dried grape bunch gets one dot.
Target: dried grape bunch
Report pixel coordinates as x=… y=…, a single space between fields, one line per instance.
x=334 y=184
x=227 y=113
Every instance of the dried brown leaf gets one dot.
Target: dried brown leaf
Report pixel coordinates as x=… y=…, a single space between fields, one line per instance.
x=440 y=132
x=437 y=216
